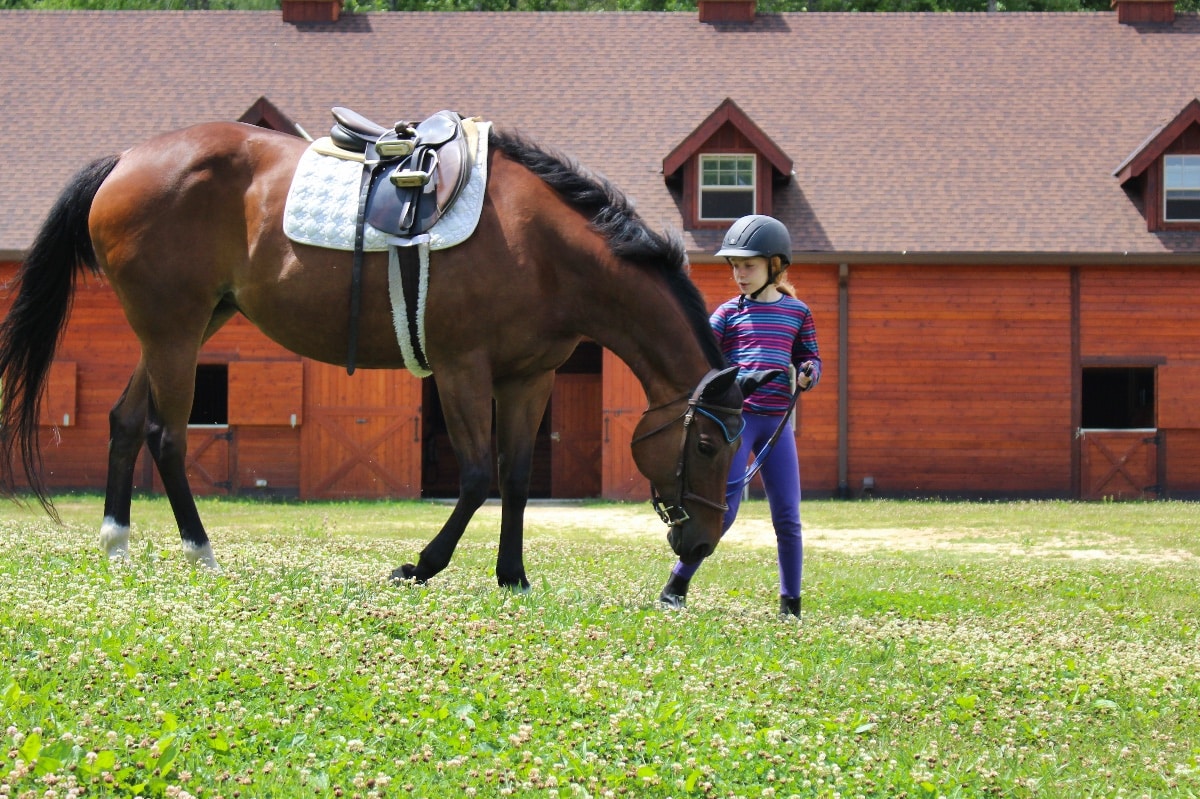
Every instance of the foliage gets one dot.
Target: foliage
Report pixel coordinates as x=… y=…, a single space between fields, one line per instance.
x=998 y=663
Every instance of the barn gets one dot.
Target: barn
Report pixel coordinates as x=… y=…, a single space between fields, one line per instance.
x=996 y=221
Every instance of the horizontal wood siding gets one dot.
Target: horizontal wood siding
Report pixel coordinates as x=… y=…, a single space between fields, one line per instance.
x=1182 y=478
x=1139 y=312
x=959 y=379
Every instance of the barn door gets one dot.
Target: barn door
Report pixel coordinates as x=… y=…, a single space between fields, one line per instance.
x=624 y=401
x=362 y=434
x=1119 y=464
x=575 y=430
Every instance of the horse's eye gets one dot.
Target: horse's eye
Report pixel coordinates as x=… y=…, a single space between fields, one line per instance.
x=707 y=448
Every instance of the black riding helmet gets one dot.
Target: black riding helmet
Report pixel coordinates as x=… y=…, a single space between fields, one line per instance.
x=758 y=234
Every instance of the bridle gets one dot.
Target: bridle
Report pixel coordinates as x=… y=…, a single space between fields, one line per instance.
x=675 y=514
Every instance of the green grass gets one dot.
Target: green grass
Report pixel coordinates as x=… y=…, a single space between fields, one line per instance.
x=947 y=649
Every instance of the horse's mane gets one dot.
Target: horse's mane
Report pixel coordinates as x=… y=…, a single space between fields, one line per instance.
x=613 y=217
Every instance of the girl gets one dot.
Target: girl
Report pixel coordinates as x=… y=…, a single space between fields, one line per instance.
x=765 y=328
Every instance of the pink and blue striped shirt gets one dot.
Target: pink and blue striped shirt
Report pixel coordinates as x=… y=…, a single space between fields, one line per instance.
x=768 y=335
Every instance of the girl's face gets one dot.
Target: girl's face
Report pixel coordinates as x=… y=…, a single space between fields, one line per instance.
x=750 y=274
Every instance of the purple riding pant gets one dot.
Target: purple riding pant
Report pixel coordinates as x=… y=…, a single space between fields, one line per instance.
x=781 y=479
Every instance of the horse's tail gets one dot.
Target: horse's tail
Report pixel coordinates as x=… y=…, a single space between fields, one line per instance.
x=30 y=334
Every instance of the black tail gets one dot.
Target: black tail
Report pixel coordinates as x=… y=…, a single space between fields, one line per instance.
x=30 y=334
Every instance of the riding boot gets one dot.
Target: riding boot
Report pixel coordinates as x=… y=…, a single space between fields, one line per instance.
x=789 y=606
x=674 y=593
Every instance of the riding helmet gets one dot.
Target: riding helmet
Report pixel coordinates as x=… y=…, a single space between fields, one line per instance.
x=757 y=234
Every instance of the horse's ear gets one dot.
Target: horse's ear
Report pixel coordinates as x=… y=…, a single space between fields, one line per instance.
x=719 y=384
x=749 y=382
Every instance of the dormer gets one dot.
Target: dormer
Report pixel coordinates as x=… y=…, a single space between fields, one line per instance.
x=726 y=168
x=265 y=114
x=1165 y=170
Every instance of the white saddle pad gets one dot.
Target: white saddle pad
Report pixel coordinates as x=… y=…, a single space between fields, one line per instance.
x=322 y=203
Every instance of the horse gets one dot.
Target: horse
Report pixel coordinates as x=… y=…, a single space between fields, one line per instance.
x=187 y=228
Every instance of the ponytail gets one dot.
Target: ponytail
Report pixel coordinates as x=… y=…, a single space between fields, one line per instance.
x=781 y=280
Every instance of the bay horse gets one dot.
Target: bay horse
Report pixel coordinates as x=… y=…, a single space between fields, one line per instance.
x=187 y=228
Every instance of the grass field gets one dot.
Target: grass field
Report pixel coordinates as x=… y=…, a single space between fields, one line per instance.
x=946 y=649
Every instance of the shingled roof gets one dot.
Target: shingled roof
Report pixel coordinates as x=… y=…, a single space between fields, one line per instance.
x=912 y=136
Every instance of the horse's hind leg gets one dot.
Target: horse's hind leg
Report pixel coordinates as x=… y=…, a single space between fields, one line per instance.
x=519 y=410
x=172 y=383
x=127 y=432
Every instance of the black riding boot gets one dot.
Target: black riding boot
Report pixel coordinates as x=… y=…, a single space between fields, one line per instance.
x=789 y=606
x=674 y=593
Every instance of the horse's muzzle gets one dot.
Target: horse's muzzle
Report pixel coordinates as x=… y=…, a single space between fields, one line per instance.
x=688 y=551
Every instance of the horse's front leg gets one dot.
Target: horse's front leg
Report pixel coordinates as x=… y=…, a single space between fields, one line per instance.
x=520 y=407
x=467 y=407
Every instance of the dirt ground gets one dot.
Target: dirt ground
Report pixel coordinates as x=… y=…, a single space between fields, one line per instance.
x=640 y=521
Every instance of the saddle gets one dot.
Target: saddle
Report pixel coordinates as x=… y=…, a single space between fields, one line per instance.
x=412 y=174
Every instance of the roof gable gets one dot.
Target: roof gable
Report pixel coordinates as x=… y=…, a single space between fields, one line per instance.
x=727 y=112
x=1158 y=143
x=266 y=114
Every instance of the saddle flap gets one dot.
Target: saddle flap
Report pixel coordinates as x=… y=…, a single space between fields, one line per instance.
x=438 y=129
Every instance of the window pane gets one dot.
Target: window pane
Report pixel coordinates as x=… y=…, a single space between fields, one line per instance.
x=1181 y=171
x=726 y=204
x=727 y=170
x=1183 y=205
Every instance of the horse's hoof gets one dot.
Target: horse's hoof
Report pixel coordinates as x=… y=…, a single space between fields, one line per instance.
x=520 y=586
x=405 y=573
x=202 y=556
x=114 y=539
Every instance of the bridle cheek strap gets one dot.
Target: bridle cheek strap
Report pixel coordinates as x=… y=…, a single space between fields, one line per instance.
x=675 y=515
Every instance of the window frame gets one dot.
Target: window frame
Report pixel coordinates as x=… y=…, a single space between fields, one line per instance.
x=752 y=189
x=1167 y=190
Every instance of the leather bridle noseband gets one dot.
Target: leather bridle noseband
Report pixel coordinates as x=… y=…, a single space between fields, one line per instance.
x=675 y=514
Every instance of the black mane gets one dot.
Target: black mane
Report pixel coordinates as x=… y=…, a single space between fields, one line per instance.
x=613 y=217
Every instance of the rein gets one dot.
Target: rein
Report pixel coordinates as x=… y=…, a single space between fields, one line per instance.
x=761 y=457
x=675 y=514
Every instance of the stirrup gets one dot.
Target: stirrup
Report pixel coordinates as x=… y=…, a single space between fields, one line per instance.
x=409 y=178
x=399 y=148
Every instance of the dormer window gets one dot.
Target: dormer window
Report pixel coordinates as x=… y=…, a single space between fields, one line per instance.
x=1181 y=188
x=727 y=186
x=725 y=169
x=1165 y=171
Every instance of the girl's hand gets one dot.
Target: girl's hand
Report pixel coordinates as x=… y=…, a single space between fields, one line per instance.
x=805 y=379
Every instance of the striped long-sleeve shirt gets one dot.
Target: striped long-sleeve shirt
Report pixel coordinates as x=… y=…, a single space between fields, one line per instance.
x=768 y=335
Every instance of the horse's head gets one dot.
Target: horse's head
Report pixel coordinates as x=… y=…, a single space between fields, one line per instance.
x=684 y=448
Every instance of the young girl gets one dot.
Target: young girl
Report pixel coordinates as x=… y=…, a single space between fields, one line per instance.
x=764 y=328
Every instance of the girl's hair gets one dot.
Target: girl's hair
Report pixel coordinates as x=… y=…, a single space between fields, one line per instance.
x=781 y=280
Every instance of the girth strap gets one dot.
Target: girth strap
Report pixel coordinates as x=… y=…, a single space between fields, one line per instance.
x=410 y=272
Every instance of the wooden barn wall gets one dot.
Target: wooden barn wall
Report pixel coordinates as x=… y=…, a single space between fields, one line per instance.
x=959 y=380
x=1148 y=316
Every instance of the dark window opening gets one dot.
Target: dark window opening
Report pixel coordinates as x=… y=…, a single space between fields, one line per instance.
x=210 y=404
x=1118 y=398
